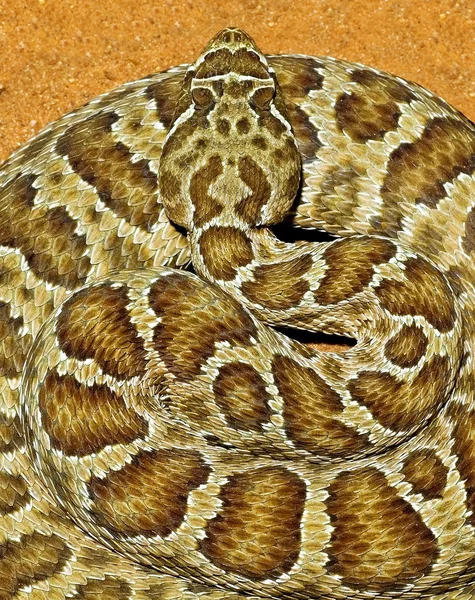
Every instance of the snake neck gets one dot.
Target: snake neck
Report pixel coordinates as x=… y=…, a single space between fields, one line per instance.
x=222 y=251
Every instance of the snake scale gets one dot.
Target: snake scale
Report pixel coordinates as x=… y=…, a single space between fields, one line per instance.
x=167 y=432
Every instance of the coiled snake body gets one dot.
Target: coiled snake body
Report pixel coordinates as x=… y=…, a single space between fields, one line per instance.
x=161 y=436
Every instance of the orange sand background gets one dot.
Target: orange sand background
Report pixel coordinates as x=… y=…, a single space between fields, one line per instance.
x=57 y=54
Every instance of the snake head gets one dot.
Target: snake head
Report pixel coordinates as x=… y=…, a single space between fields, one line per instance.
x=230 y=153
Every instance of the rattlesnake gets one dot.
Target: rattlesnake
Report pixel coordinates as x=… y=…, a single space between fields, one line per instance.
x=164 y=433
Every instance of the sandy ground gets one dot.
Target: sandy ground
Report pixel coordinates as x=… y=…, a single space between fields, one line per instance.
x=57 y=54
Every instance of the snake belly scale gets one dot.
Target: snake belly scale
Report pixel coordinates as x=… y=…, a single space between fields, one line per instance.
x=161 y=437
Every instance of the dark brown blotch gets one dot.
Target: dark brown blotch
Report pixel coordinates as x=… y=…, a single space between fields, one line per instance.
x=14 y=493
x=426 y=472
x=254 y=177
x=149 y=495
x=403 y=405
x=306 y=133
x=384 y=85
x=241 y=394
x=256 y=533
x=127 y=186
x=223 y=250
x=13 y=345
x=378 y=542
x=363 y=120
x=297 y=76
x=243 y=126
x=11 y=433
x=170 y=188
x=165 y=93
x=83 y=419
x=424 y=292
x=350 y=267
x=185 y=305
x=222 y=61
x=312 y=411
x=281 y=285
x=373 y=110
x=223 y=126
x=259 y=142
x=273 y=125
x=464 y=450
x=407 y=347
x=31 y=560
x=418 y=171
x=45 y=236
x=206 y=206
x=95 y=324
x=108 y=588
x=468 y=240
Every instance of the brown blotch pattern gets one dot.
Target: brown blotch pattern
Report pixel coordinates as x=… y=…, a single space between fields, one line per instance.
x=128 y=187
x=222 y=61
x=297 y=76
x=243 y=126
x=369 y=113
x=417 y=171
x=272 y=124
x=81 y=419
x=45 y=236
x=256 y=533
x=185 y=305
x=259 y=142
x=383 y=84
x=206 y=206
x=241 y=394
x=11 y=433
x=14 y=493
x=170 y=188
x=402 y=405
x=305 y=133
x=311 y=411
x=224 y=127
x=424 y=292
x=362 y=119
x=13 y=345
x=148 y=496
x=426 y=472
x=166 y=93
x=464 y=449
x=468 y=240
x=95 y=323
x=109 y=588
x=279 y=286
x=378 y=540
x=254 y=177
x=407 y=347
x=350 y=267
x=223 y=250
x=31 y=560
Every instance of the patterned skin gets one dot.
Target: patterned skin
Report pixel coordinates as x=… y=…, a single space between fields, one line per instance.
x=159 y=437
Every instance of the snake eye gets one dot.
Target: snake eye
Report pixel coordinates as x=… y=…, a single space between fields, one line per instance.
x=202 y=97
x=263 y=97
